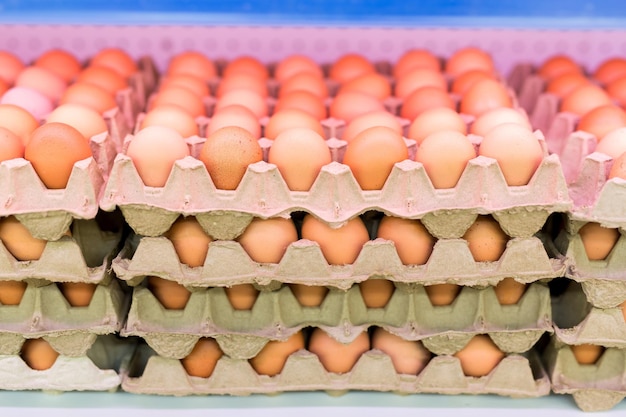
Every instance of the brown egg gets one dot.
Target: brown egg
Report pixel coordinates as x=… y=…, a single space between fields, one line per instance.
x=84 y=119
x=240 y=81
x=245 y=98
x=18 y=121
x=486 y=239
x=191 y=82
x=598 y=241
x=296 y=64
x=235 y=115
x=509 y=292
x=587 y=354
x=610 y=70
x=584 y=99
x=335 y=356
x=116 y=59
x=305 y=101
x=613 y=143
x=340 y=246
x=373 y=84
x=19 y=241
x=618 y=169
x=61 y=62
x=467 y=59
x=602 y=120
x=77 y=294
x=617 y=91
x=372 y=154
x=202 y=359
x=435 y=120
x=304 y=81
x=192 y=63
x=495 y=117
x=227 y=153
x=289 y=119
x=266 y=240
x=412 y=240
x=483 y=96
x=242 y=296
x=38 y=354
x=418 y=78
x=350 y=66
x=445 y=155
x=10 y=67
x=416 y=58
x=350 y=105
x=623 y=308
x=408 y=356
x=45 y=81
x=558 y=65
x=367 y=120
x=11 y=145
x=309 y=296
x=4 y=86
x=442 y=294
x=172 y=117
x=272 y=358
x=89 y=95
x=465 y=81
x=376 y=293
x=104 y=77
x=479 y=356
x=248 y=65
x=424 y=99
x=53 y=149
x=516 y=149
x=299 y=154
x=564 y=84
x=190 y=241
x=181 y=97
x=171 y=295
x=11 y=292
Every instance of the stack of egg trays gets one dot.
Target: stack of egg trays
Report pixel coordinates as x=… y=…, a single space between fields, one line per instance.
x=589 y=312
x=335 y=198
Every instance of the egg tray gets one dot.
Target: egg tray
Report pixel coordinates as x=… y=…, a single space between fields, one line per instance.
x=335 y=197
x=514 y=376
x=596 y=387
x=526 y=85
x=343 y=314
x=44 y=312
x=97 y=370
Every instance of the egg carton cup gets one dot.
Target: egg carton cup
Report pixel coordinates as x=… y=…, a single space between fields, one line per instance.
x=545 y=109
x=519 y=75
x=133 y=100
x=98 y=370
x=515 y=376
x=596 y=387
x=227 y=263
x=344 y=315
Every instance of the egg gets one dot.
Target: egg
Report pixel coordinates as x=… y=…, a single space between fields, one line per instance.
x=12 y=292
x=4 y=86
x=349 y=66
x=418 y=78
x=288 y=119
x=299 y=154
x=373 y=119
x=10 y=67
x=201 y=361
x=190 y=241
x=376 y=293
x=610 y=70
x=266 y=240
x=598 y=241
x=89 y=95
x=584 y=99
x=467 y=59
x=240 y=81
x=181 y=97
x=227 y=153
x=248 y=65
x=116 y=59
x=308 y=295
x=602 y=120
x=350 y=105
x=296 y=64
x=412 y=240
x=509 y=292
x=337 y=357
x=245 y=98
x=617 y=91
x=77 y=294
x=53 y=149
x=171 y=117
x=486 y=239
x=372 y=83
x=480 y=356
x=483 y=96
x=424 y=99
x=193 y=83
x=42 y=80
x=31 y=100
x=587 y=354
x=408 y=356
x=153 y=151
x=435 y=120
x=171 y=295
x=61 y=62
x=445 y=155
x=442 y=294
x=87 y=121
x=557 y=65
x=192 y=63
x=372 y=154
x=103 y=77
x=235 y=115
x=613 y=143
x=242 y=296
x=18 y=121
x=18 y=240
x=416 y=58
x=495 y=117
x=618 y=169
x=341 y=245
x=564 y=84
x=11 y=145
x=516 y=149
x=38 y=354
x=305 y=101
x=271 y=359
x=304 y=81
x=465 y=81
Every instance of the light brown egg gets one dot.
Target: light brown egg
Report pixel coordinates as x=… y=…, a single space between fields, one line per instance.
x=598 y=241
x=11 y=145
x=412 y=240
x=19 y=241
x=584 y=99
x=465 y=81
x=372 y=154
x=40 y=79
x=516 y=149
x=305 y=81
x=373 y=84
x=235 y=115
x=289 y=119
x=89 y=95
x=12 y=292
x=442 y=294
x=77 y=294
x=172 y=117
x=416 y=58
x=487 y=241
x=613 y=143
x=171 y=295
x=587 y=354
x=617 y=91
x=495 y=117
x=479 y=356
x=436 y=120
x=408 y=356
x=272 y=358
x=240 y=81
x=61 y=62
x=558 y=65
x=467 y=59
x=248 y=65
x=266 y=240
x=246 y=98
x=190 y=241
x=424 y=99
x=53 y=149
x=202 y=359
x=618 y=169
x=189 y=81
x=18 y=121
x=376 y=293
x=564 y=84
x=10 y=67
x=349 y=66
x=335 y=356
x=181 y=97
x=154 y=150
x=309 y=295
x=242 y=296
x=483 y=96
x=103 y=77
x=116 y=59
x=367 y=120
x=340 y=246
x=38 y=354
x=299 y=154
x=418 y=78
x=350 y=105
x=296 y=64
x=305 y=101
x=509 y=292
x=30 y=100
x=227 y=153
x=602 y=120
x=610 y=70
x=84 y=119
x=445 y=155
x=192 y=63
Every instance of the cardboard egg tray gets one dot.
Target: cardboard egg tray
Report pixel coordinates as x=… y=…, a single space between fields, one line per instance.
x=344 y=315
x=514 y=376
x=97 y=370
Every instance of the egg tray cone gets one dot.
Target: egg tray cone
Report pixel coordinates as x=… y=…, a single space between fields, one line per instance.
x=97 y=370
x=228 y=264
x=527 y=85
x=514 y=376
x=344 y=315
x=596 y=387
x=336 y=197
